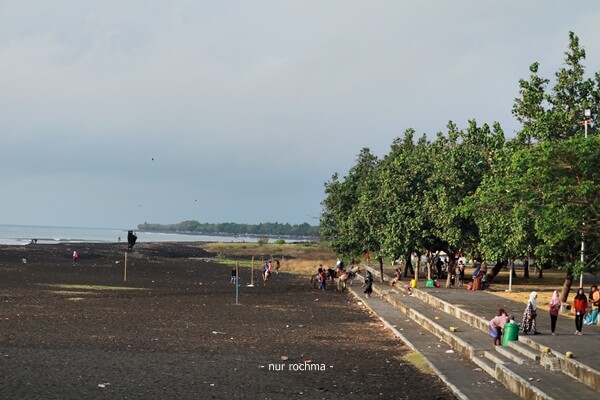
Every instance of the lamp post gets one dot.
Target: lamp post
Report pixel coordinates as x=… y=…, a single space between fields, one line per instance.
x=587 y=120
x=587 y=113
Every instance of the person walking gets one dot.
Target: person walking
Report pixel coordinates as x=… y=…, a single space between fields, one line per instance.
x=554 y=309
x=580 y=304
x=233 y=274
x=75 y=258
x=530 y=315
x=368 y=284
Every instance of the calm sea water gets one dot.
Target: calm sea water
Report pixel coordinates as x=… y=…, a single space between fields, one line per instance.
x=21 y=235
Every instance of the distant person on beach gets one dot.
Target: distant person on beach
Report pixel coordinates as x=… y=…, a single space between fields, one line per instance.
x=368 y=284
x=322 y=279
x=131 y=239
x=554 y=309
x=530 y=315
x=580 y=304
x=266 y=273
x=233 y=274
x=75 y=258
x=496 y=326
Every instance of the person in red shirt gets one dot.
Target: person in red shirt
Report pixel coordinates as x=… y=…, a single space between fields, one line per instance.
x=580 y=304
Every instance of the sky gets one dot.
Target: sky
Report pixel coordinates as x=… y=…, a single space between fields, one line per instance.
x=115 y=113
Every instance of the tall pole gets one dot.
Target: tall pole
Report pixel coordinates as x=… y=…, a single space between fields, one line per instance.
x=582 y=260
x=588 y=118
x=237 y=283
x=251 y=273
x=125 y=269
x=510 y=277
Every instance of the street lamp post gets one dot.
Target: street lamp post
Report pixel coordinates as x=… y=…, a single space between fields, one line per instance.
x=587 y=113
x=587 y=120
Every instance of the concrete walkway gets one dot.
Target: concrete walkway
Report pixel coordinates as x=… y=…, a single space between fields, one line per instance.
x=535 y=367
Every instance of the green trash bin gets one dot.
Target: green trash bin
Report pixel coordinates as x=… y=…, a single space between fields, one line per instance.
x=511 y=333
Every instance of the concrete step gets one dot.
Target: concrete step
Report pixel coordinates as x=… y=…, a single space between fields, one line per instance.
x=584 y=366
x=531 y=380
x=495 y=357
x=509 y=365
x=525 y=350
x=486 y=365
x=511 y=354
x=543 y=383
x=466 y=379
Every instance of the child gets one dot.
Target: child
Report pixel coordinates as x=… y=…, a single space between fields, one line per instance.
x=322 y=279
x=397 y=276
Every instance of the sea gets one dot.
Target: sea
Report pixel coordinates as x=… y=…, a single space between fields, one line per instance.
x=23 y=234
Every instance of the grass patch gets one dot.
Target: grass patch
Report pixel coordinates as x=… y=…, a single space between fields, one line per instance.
x=294 y=258
x=92 y=287
x=415 y=358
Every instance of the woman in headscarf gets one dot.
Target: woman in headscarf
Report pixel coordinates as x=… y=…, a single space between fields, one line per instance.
x=580 y=304
x=554 y=308
x=530 y=315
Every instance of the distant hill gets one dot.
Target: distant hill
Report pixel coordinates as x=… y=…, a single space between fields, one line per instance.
x=231 y=228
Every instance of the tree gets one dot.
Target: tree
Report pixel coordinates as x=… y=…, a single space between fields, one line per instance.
x=347 y=218
x=402 y=180
x=556 y=115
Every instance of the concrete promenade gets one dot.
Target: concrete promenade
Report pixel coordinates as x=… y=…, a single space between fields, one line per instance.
x=534 y=367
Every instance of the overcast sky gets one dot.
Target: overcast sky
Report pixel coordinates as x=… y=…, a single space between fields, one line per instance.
x=113 y=113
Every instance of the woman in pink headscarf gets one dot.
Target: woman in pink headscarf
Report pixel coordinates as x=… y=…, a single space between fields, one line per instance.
x=75 y=257
x=553 y=310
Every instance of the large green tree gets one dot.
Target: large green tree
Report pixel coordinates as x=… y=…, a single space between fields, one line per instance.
x=347 y=219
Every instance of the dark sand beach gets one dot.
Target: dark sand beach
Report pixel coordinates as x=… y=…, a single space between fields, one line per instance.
x=173 y=331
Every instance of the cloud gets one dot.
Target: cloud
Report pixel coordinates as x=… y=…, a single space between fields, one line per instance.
x=239 y=97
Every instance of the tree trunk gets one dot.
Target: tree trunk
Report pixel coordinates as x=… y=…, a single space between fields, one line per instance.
x=564 y=293
x=496 y=270
x=428 y=264
x=418 y=266
x=380 y=267
x=526 y=269
x=408 y=265
x=512 y=268
x=540 y=271
x=451 y=269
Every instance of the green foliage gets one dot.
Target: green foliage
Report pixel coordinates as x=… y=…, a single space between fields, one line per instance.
x=537 y=194
x=230 y=228
x=279 y=241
